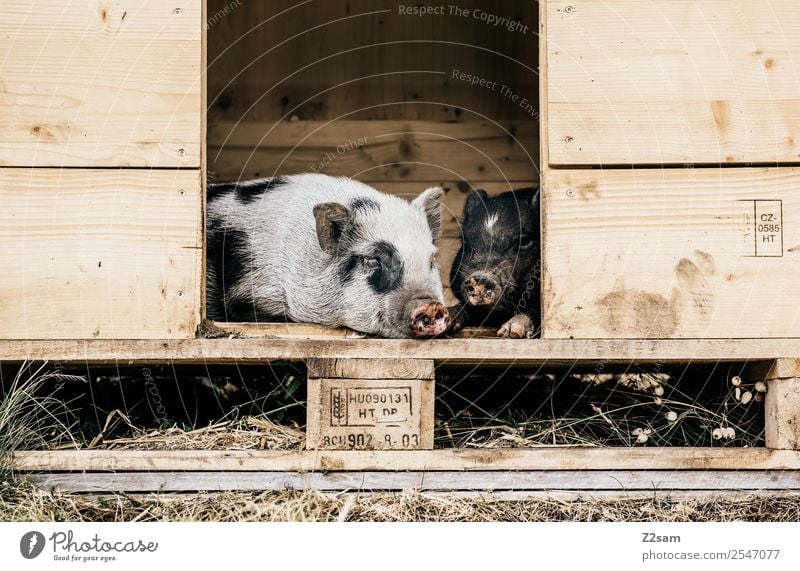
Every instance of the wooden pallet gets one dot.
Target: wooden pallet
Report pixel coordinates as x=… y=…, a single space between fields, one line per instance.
x=563 y=472
x=297 y=342
x=558 y=471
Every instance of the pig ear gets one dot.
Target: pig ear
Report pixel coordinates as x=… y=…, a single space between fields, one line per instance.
x=430 y=202
x=332 y=218
x=475 y=199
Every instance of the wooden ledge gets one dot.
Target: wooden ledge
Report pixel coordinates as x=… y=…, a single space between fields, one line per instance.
x=619 y=481
x=443 y=352
x=531 y=459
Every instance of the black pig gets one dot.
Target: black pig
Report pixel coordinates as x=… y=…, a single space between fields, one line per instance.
x=495 y=274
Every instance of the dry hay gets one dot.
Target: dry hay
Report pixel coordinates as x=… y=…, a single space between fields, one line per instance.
x=23 y=502
x=248 y=433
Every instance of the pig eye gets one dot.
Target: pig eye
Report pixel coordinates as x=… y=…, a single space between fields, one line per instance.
x=433 y=262
x=371 y=264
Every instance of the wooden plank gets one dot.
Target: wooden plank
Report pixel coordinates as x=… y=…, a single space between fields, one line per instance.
x=370 y=368
x=610 y=495
x=445 y=351
x=424 y=481
x=281 y=330
x=99 y=254
x=490 y=496
x=101 y=84
x=323 y=60
x=544 y=149
x=375 y=151
x=456 y=459
x=204 y=144
x=691 y=82
x=369 y=414
x=693 y=253
x=782 y=405
x=310 y=331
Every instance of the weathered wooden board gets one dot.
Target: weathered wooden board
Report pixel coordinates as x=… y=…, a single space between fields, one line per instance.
x=709 y=81
x=445 y=351
x=369 y=414
x=370 y=368
x=614 y=480
x=490 y=496
x=100 y=254
x=375 y=151
x=782 y=405
x=699 y=253
x=467 y=459
x=370 y=404
x=310 y=331
x=321 y=60
x=101 y=83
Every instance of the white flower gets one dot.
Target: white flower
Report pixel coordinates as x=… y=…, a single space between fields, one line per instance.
x=761 y=387
x=736 y=381
x=672 y=416
x=642 y=438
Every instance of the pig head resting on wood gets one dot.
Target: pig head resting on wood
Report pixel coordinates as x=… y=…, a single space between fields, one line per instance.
x=319 y=249
x=496 y=272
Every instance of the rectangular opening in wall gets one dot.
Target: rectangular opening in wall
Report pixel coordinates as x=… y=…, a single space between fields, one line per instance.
x=400 y=98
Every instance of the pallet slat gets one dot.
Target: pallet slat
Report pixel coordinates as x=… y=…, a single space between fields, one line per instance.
x=548 y=458
x=615 y=480
x=370 y=368
x=667 y=253
x=526 y=495
x=446 y=351
x=368 y=59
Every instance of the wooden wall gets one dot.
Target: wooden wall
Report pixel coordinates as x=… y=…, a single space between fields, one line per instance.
x=357 y=89
x=676 y=251
x=111 y=247
x=321 y=60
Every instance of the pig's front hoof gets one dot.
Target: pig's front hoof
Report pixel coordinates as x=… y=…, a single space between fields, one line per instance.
x=518 y=327
x=429 y=320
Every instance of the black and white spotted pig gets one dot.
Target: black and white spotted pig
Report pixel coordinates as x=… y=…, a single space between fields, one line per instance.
x=318 y=249
x=495 y=274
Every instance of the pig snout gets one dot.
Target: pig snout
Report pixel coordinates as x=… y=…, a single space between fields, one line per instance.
x=429 y=319
x=481 y=289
